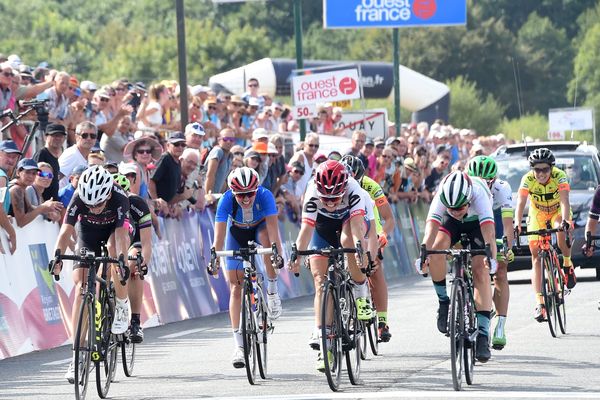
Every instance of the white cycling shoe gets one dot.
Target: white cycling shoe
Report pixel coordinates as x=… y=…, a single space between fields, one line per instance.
x=238 y=358
x=121 y=321
x=70 y=374
x=274 y=304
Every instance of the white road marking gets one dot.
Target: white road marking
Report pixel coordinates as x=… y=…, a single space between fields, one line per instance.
x=183 y=333
x=59 y=362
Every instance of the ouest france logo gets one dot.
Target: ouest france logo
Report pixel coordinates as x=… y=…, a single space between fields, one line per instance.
x=394 y=10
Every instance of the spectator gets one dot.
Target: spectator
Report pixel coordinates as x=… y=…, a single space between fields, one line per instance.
x=263 y=149
x=388 y=176
x=34 y=193
x=152 y=114
x=359 y=139
x=409 y=183
x=66 y=193
x=305 y=157
x=21 y=209
x=413 y=141
x=334 y=155
x=88 y=89
x=113 y=144
x=274 y=171
x=143 y=151
x=252 y=159
x=111 y=167
x=196 y=110
x=86 y=134
x=9 y=155
x=319 y=158
x=194 y=135
x=54 y=141
x=438 y=171
x=278 y=167
x=190 y=161
x=96 y=158
x=218 y=163
x=252 y=94
x=166 y=178
x=365 y=156
x=379 y=146
x=58 y=102
x=292 y=188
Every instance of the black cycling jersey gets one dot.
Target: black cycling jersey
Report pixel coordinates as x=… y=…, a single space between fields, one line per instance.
x=140 y=217
x=113 y=216
x=595 y=210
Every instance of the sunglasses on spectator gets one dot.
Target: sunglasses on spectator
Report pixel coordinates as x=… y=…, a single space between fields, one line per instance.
x=253 y=85
x=88 y=135
x=238 y=153
x=386 y=156
x=104 y=99
x=44 y=174
x=179 y=144
x=297 y=171
x=421 y=152
x=228 y=139
x=246 y=195
x=8 y=74
x=120 y=89
x=413 y=142
x=544 y=170
x=313 y=146
x=144 y=151
x=212 y=107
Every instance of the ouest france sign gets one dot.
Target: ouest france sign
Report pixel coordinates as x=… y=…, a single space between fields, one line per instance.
x=340 y=14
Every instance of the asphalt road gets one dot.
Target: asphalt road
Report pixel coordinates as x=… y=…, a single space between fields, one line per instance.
x=192 y=359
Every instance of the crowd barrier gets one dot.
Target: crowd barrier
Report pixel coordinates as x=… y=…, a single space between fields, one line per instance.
x=35 y=310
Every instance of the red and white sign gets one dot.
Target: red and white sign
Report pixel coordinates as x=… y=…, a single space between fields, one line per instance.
x=304 y=112
x=326 y=87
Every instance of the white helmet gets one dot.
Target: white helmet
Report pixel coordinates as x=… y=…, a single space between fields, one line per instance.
x=456 y=189
x=95 y=185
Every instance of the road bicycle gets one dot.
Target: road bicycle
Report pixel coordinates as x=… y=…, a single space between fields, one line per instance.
x=93 y=340
x=553 y=279
x=255 y=322
x=341 y=331
x=462 y=322
x=371 y=327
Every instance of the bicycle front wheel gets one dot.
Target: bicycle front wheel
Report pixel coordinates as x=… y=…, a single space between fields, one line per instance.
x=373 y=333
x=456 y=331
x=108 y=347
x=262 y=332
x=354 y=332
x=469 y=337
x=549 y=294
x=82 y=347
x=364 y=344
x=331 y=336
x=128 y=355
x=561 y=310
x=249 y=332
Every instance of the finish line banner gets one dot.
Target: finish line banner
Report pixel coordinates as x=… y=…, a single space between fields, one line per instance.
x=339 y=14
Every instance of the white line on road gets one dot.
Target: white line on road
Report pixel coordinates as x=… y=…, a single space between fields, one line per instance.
x=59 y=362
x=183 y=333
x=429 y=395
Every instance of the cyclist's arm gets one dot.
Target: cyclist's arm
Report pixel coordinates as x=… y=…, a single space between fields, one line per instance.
x=521 y=202
x=488 y=232
x=591 y=225
x=273 y=232
x=146 y=239
x=508 y=224
x=122 y=240
x=386 y=214
x=357 y=225
x=565 y=205
x=219 y=240
x=64 y=237
x=594 y=214
x=373 y=243
x=433 y=221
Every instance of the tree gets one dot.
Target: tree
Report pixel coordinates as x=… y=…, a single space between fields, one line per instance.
x=586 y=81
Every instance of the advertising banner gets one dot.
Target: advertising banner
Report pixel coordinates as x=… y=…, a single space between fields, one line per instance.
x=325 y=87
x=393 y=13
x=570 y=119
x=372 y=122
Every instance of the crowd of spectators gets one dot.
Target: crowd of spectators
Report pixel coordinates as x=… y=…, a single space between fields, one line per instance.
x=136 y=130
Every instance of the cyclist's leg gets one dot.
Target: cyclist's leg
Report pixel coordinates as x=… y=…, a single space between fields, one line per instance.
x=448 y=235
x=501 y=289
x=318 y=265
x=135 y=290
x=234 y=272
x=535 y=221
x=566 y=251
x=273 y=300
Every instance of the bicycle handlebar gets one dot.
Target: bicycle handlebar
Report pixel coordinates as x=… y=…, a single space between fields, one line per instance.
x=243 y=252
x=327 y=252
x=88 y=257
x=543 y=232
x=589 y=240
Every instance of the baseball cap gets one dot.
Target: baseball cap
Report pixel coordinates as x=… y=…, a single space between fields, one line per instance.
x=369 y=142
x=8 y=146
x=391 y=140
x=78 y=170
x=88 y=86
x=176 y=137
x=253 y=102
x=27 y=164
x=410 y=165
x=195 y=128
x=441 y=148
x=271 y=149
x=298 y=165
x=261 y=147
x=252 y=154
x=127 y=168
x=52 y=129
x=319 y=157
x=259 y=133
x=103 y=93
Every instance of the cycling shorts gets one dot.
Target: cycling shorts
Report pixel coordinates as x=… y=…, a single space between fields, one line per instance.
x=327 y=233
x=238 y=237
x=455 y=228
x=91 y=239
x=537 y=220
x=498 y=222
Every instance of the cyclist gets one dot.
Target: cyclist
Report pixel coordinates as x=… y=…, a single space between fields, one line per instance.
x=592 y=224
x=333 y=215
x=485 y=168
x=140 y=233
x=462 y=204
x=247 y=212
x=382 y=210
x=548 y=188
x=99 y=209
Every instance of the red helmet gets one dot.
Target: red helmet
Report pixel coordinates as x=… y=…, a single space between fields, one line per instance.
x=331 y=179
x=243 y=180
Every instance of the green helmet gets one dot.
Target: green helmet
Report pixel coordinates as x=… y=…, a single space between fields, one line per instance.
x=483 y=167
x=122 y=181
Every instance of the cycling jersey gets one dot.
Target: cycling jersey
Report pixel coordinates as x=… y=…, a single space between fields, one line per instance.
x=480 y=205
x=377 y=195
x=352 y=204
x=264 y=206
x=545 y=197
x=140 y=218
x=501 y=204
x=595 y=210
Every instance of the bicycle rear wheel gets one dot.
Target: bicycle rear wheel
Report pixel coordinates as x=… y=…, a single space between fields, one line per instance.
x=249 y=332
x=456 y=331
x=128 y=355
x=561 y=310
x=373 y=333
x=549 y=294
x=469 y=337
x=354 y=334
x=331 y=336
x=107 y=364
x=364 y=344
x=82 y=347
x=262 y=332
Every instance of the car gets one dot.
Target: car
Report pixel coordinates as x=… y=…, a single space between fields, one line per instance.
x=581 y=163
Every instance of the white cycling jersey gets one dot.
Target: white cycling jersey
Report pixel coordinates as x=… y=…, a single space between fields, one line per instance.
x=480 y=207
x=502 y=196
x=352 y=203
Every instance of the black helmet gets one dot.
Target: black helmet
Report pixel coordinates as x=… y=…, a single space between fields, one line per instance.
x=541 y=156
x=354 y=165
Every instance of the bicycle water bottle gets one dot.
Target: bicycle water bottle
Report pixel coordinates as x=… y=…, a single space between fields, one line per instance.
x=254 y=291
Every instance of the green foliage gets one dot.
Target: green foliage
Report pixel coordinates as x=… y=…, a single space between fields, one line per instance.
x=532 y=125
x=470 y=108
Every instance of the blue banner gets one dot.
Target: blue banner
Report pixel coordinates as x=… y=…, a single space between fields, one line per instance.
x=393 y=13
